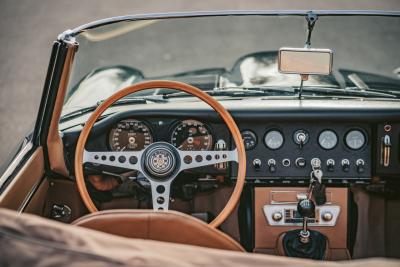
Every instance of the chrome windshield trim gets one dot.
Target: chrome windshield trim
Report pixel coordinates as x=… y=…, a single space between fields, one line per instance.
x=14 y=164
x=94 y=24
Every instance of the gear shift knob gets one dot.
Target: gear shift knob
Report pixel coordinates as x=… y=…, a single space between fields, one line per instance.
x=306 y=208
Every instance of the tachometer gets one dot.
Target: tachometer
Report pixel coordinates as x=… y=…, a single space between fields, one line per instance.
x=191 y=135
x=327 y=139
x=131 y=135
x=355 y=139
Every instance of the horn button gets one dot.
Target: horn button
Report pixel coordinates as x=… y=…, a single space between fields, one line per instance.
x=160 y=160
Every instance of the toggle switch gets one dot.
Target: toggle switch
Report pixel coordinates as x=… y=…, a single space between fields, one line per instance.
x=360 y=163
x=345 y=165
x=257 y=164
x=272 y=165
x=330 y=165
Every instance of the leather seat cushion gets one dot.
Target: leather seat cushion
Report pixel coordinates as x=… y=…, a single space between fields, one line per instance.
x=168 y=226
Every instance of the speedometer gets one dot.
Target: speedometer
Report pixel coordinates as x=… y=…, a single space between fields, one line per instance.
x=191 y=135
x=131 y=135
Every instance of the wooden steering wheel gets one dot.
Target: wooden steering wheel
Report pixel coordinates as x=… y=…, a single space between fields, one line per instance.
x=161 y=162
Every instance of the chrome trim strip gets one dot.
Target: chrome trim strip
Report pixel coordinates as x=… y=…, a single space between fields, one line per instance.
x=14 y=164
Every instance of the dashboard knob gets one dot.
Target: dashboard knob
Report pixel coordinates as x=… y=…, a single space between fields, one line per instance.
x=257 y=164
x=345 y=165
x=300 y=162
x=330 y=164
x=327 y=216
x=286 y=162
x=272 y=165
x=360 y=163
x=277 y=216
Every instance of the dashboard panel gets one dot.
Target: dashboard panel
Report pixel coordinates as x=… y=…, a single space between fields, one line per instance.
x=354 y=135
x=285 y=150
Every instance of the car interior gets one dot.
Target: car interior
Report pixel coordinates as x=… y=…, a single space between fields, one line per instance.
x=312 y=177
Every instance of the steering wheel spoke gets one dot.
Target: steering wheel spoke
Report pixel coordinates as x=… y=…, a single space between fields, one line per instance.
x=195 y=159
x=160 y=192
x=121 y=159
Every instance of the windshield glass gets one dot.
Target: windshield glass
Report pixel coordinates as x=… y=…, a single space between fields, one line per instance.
x=230 y=51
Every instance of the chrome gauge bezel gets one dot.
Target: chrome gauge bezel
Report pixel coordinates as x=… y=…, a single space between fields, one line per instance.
x=115 y=126
x=280 y=133
x=323 y=132
x=363 y=134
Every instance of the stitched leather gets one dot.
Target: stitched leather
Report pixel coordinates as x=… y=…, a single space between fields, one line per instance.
x=168 y=226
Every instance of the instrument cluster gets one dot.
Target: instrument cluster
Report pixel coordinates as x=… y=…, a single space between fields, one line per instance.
x=134 y=135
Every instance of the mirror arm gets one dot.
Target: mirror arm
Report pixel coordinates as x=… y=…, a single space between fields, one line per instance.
x=311 y=19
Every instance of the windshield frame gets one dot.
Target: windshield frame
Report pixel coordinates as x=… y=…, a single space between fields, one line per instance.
x=68 y=34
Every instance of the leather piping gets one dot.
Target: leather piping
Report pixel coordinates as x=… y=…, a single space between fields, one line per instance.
x=233 y=200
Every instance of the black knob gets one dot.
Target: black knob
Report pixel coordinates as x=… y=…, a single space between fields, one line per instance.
x=300 y=162
x=306 y=208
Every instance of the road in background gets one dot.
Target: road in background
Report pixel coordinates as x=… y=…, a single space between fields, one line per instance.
x=28 y=28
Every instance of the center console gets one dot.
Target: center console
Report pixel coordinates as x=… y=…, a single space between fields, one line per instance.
x=276 y=213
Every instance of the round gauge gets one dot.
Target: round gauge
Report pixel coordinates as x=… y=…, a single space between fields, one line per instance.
x=273 y=139
x=130 y=135
x=191 y=135
x=249 y=139
x=327 y=139
x=355 y=139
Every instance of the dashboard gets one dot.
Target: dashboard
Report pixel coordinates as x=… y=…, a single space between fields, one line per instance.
x=353 y=141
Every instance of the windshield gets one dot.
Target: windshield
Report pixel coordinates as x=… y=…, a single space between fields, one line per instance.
x=231 y=51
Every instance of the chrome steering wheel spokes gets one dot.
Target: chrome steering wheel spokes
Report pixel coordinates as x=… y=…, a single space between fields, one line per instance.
x=121 y=159
x=195 y=159
x=160 y=163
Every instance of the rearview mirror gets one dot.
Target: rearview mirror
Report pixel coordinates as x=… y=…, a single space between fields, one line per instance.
x=305 y=61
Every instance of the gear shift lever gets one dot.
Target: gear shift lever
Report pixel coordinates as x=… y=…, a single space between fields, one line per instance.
x=306 y=209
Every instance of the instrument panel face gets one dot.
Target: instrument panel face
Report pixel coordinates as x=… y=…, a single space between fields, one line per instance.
x=288 y=148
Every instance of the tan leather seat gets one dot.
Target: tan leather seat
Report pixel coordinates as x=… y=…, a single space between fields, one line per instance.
x=168 y=226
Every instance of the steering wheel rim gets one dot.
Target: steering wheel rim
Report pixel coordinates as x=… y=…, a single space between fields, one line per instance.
x=226 y=117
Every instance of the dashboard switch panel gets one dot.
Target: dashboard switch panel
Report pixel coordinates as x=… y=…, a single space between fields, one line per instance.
x=289 y=148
